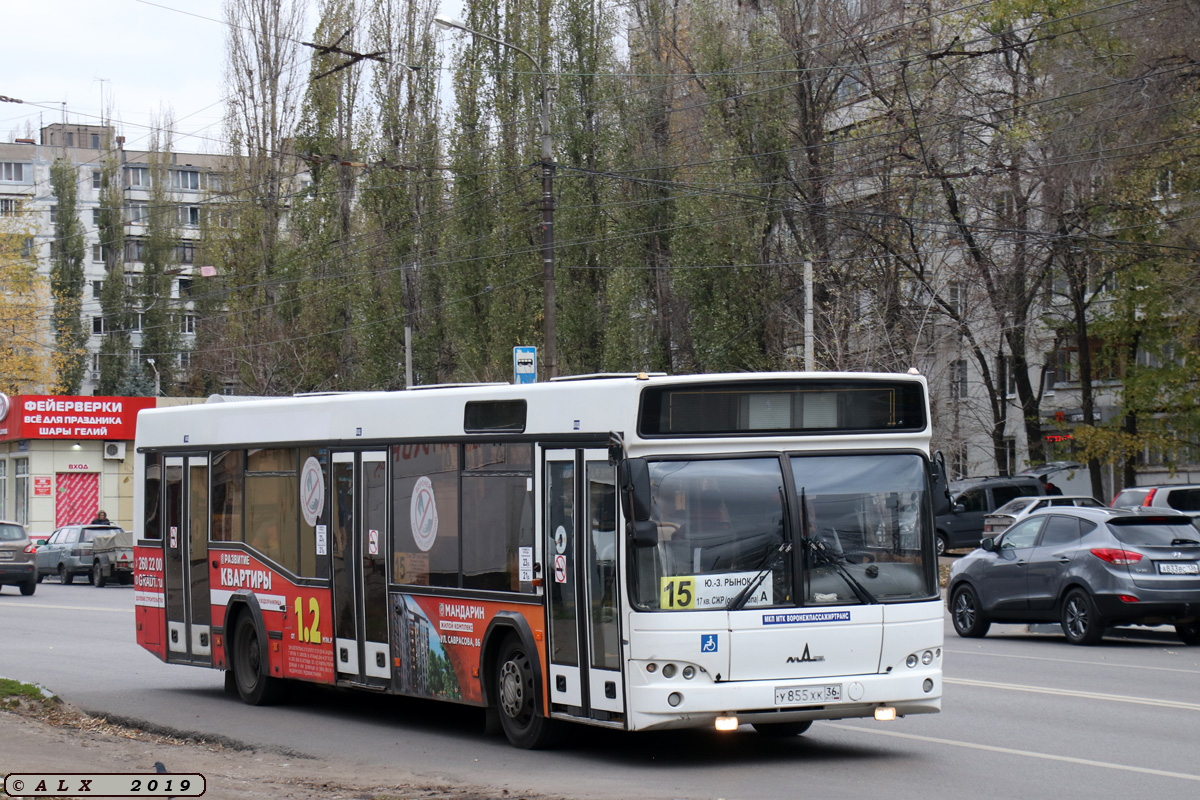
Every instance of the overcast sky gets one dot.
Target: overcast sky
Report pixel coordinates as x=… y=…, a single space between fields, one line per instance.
x=58 y=51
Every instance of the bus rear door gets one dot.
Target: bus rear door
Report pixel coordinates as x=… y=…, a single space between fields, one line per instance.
x=580 y=547
x=185 y=560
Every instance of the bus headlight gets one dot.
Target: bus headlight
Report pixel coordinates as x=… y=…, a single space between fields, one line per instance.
x=927 y=657
x=668 y=670
x=674 y=699
x=911 y=661
x=689 y=672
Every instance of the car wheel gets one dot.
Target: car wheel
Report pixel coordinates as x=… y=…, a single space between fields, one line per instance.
x=64 y=575
x=780 y=730
x=1080 y=619
x=516 y=698
x=250 y=668
x=941 y=544
x=1189 y=632
x=98 y=577
x=29 y=586
x=966 y=614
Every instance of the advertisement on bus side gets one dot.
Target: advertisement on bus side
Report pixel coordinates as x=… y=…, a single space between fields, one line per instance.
x=437 y=643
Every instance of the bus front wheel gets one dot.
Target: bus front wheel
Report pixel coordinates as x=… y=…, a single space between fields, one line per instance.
x=516 y=698
x=250 y=670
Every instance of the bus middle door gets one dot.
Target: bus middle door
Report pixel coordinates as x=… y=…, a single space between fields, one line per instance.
x=358 y=554
x=582 y=579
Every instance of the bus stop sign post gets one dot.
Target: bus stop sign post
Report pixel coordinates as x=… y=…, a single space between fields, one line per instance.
x=525 y=365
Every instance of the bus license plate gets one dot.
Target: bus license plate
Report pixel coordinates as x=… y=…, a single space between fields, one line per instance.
x=1176 y=568
x=803 y=695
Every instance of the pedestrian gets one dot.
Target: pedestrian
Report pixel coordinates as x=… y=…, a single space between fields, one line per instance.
x=101 y=518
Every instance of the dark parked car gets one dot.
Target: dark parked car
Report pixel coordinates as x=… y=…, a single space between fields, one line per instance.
x=1087 y=568
x=17 y=565
x=68 y=551
x=973 y=498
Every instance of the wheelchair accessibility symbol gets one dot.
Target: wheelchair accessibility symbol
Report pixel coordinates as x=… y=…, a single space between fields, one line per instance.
x=708 y=643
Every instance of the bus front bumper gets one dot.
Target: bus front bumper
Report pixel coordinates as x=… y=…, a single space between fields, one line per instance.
x=698 y=703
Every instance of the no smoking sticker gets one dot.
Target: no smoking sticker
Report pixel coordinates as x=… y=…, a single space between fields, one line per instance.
x=373 y=542
x=560 y=569
x=423 y=515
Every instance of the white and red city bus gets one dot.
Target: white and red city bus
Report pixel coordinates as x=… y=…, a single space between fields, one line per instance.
x=637 y=552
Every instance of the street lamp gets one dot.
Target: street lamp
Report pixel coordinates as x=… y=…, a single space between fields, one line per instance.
x=550 y=330
x=157 y=382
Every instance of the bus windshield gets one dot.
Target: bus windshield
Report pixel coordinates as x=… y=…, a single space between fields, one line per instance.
x=721 y=522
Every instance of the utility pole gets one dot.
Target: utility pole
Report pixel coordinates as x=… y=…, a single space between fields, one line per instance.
x=549 y=301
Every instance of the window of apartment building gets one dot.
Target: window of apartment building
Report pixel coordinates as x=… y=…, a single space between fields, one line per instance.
x=21 y=490
x=134 y=282
x=53 y=249
x=95 y=362
x=96 y=179
x=186 y=252
x=137 y=322
x=70 y=139
x=1002 y=205
x=956 y=296
x=137 y=212
x=185 y=361
x=9 y=206
x=187 y=179
x=99 y=252
x=98 y=325
x=187 y=324
x=53 y=214
x=189 y=216
x=850 y=87
x=958 y=462
x=97 y=286
x=1164 y=184
x=95 y=216
x=15 y=172
x=134 y=249
x=137 y=176
x=185 y=287
x=95 y=141
x=958 y=379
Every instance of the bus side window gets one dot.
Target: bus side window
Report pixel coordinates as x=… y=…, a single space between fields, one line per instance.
x=152 y=500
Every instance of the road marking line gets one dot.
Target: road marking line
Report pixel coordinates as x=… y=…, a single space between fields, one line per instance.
x=74 y=608
x=1115 y=698
x=1068 y=661
x=1087 y=762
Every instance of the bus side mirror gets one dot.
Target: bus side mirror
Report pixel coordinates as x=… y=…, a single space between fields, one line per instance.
x=634 y=477
x=635 y=489
x=643 y=533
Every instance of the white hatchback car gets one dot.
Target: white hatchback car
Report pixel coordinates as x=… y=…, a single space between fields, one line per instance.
x=1019 y=508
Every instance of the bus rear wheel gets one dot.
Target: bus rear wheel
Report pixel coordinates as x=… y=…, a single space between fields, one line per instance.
x=516 y=698
x=779 y=730
x=250 y=671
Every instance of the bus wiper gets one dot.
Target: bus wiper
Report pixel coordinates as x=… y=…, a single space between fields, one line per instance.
x=823 y=555
x=765 y=567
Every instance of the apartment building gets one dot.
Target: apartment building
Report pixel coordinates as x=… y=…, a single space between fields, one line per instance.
x=25 y=188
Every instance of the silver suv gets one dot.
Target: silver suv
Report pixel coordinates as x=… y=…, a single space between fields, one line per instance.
x=68 y=551
x=1184 y=498
x=17 y=554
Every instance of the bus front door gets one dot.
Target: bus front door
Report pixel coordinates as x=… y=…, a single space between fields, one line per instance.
x=185 y=556
x=358 y=555
x=582 y=579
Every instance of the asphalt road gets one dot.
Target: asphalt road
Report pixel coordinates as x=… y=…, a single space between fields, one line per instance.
x=1025 y=715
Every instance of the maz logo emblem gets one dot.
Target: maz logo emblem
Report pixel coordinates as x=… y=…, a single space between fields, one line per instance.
x=805 y=656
